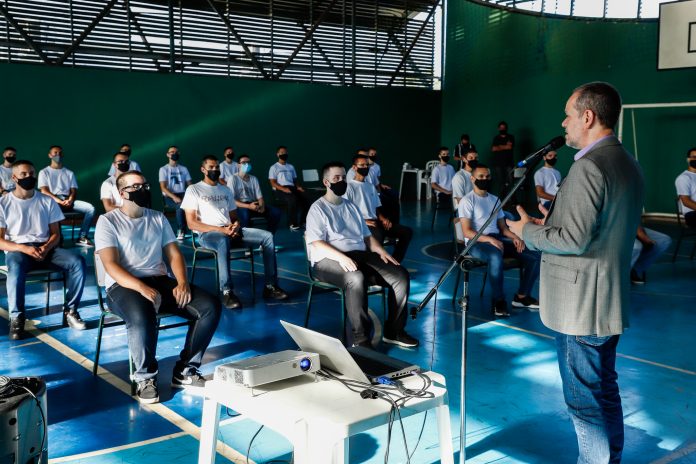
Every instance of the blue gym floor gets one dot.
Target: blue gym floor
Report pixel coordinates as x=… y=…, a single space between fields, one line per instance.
x=515 y=408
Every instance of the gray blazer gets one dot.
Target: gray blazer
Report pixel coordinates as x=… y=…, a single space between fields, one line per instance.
x=587 y=241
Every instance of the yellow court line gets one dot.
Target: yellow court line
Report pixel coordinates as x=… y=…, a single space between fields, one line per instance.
x=158 y=408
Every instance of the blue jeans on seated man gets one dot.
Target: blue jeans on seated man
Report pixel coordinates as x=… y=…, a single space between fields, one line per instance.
x=252 y=238
x=180 y=215
x=140 y=317
x=59 y=259
x=270 y=213
x=85 y=208
x=643 y=257
x=494 y=257
x=588 y=370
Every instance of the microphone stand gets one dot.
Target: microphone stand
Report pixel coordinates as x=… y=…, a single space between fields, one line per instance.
x=463 y=260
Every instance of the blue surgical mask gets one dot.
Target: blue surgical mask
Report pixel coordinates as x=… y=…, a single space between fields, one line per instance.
x=245 y=168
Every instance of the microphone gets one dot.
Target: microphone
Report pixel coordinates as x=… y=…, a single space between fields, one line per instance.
x=554 y=144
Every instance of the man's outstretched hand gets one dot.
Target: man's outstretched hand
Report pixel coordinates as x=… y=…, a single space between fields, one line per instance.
x=517 y=226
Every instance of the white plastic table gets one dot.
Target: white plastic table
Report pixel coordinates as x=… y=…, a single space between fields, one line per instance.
x=317 y=416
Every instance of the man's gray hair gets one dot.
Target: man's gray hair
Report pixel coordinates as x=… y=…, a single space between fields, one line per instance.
x=602 y=99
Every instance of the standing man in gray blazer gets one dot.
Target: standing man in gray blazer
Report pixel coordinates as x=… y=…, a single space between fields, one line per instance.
x=586 y=240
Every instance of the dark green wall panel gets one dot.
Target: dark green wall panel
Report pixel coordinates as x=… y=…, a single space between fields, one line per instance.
x=91 y=112
x=522 y=68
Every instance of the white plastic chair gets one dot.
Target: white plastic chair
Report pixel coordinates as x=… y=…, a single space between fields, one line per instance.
x=424 y=179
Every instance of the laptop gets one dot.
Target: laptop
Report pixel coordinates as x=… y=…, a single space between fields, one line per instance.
x=357 y=363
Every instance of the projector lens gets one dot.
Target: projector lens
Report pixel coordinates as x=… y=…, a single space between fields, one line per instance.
x=305 y=364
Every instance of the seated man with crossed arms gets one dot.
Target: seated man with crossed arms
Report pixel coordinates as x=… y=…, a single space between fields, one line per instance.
x=364 y=194
x=133 y=242
x=344 y=253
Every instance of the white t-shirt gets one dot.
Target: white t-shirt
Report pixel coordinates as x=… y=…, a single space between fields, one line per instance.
x=548 y=178
x=6 y=178
x=686 y=185
x=477 y=209
x=134 y=166
x=245 y=190
x=364 y=195
x=341 y=226
x=212 y=203
x=27 y=221
x=461 y=184
x=139 y=241
x=285 y=174
x=58 y=181
x=376 y=172
x=227 y=170
x=108 y=191
x=175 y=177
x=370 y=177
x=442 y=176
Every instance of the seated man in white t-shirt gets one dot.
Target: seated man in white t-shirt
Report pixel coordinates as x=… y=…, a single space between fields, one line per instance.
x=496 y=243
x=344 y=253
x=29 y=236
x=283 y=179
x=461 y=183
x=133 y=243
x=108 y=193
x=173 y=180
x=441 y=177
x=58 y=182
x=547 y=179
x=364 y=195
x=686 y=189
x=248 y=197
x=9 y=156
x=229 y=166
x=212 y=213
x=134 y=166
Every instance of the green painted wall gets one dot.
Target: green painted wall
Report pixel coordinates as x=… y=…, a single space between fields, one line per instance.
x=522 y=68
x=92 y=112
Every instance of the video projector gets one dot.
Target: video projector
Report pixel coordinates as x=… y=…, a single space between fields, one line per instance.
x=267 y=368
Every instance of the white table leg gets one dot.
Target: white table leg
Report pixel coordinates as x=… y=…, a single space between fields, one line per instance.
x=209 y=430
x=444 y=431
x=300 y=443
x=401 y=185
x=341 y=450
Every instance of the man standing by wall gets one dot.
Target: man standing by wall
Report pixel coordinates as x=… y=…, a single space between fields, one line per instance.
x=586 y=239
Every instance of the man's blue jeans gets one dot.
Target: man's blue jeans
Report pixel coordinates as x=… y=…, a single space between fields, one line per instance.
x=642 y=257
x=180 y=215
x=19 y=265
x=588 y=371
x=85 y=208
x=252 y=238
x=494 y=257
x=270 y=213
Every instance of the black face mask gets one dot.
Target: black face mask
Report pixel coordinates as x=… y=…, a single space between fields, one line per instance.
x=692 y=164
x=213 y=175
x=174 y=157
x=11 y=159
x=27 y=183
x=552 y=161
x=230 y=156
x=123 y=166
x=140 y=197
x=444 y=158
x=483 y=184
x=373 y=158
x=126 y=152
x=472 y=164
x=363 y=171
x=503 y=132
x=283 y=157
x=339 y=188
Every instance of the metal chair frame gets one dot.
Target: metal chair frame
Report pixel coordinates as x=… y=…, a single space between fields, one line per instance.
x=684 y=232
x=46 y=276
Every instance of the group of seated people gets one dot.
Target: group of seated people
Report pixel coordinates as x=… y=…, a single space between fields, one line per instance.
x=345 y=230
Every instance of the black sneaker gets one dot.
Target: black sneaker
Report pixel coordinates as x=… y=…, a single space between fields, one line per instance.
x=500 y=309
x=637 y=279
x=17 y=328
x=364 y=344
x=84 y=241
x=400 y=339
x=146 y=393
x=274 y=292
x=72 y=319
x=294 y=227
x=230 y=300
x=527 y=302
x=194 y=380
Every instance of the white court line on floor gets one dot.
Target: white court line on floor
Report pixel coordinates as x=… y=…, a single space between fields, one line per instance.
x=158 y=408
x=677 y=454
